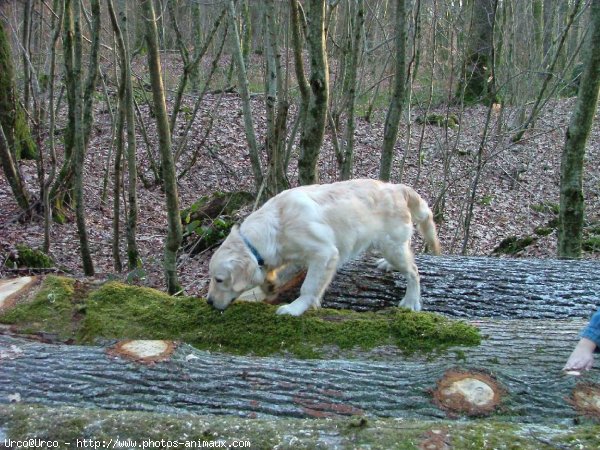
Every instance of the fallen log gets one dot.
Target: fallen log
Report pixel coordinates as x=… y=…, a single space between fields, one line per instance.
x=520 y=361
x=68 y=428
x=515 y=374
x=468 y=287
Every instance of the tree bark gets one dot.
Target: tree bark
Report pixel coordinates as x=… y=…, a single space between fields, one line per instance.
x=311 y=138
x=466 y=287
x=476 y=85
x=276 y=105
x=571 y=213
x=245 y=95
x=525 y=357
x=75 y=84
x=346 y=156
x=12 y=174
x=529 y=313
x=173 y=241
x=126 y=111
x=392 y=119
x=12 y=117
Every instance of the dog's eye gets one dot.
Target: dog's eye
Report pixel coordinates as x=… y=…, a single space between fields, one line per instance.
x=218 y=280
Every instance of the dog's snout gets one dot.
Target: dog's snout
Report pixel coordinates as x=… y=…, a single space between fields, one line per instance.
x=209 y=300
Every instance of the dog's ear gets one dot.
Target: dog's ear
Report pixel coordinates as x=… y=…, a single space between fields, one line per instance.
x=249 y=276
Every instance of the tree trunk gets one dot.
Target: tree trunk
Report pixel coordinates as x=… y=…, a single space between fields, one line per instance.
x=245 y=95
x=173 y=241
x=537 y=11
x=12 y=174
x=297 y=25
x=549 y=19
x=139 y=429
x=276 y=105
x=12 y=117
x=571 y=213
x=522 y=357
x=73 y=13
x=529 y=313
x=466 y=287
x=25 y=41
x=127 y=107
x=477 y=85
x=346 y=157
x=313 y=131
x=57 y=24
x=392 y=119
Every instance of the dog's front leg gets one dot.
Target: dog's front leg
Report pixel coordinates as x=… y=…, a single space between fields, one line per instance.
x=321 y=269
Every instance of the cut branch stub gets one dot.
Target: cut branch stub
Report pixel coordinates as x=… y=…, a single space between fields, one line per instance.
x=143 y=351
x=586 y=399
x=473 y=393
x=12 y=289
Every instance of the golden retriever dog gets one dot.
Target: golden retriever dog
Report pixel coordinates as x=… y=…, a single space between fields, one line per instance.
x=320 y=227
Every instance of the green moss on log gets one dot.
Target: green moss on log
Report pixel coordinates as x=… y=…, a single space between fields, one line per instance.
x=28 y=257
x=50 y=311
x=440 y=120
x=208 y=220
x=215 y=205
x=513 y=245
x=591 y=244
x=119 y=311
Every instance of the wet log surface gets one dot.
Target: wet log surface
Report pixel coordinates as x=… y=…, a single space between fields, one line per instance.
x=525 y=357
x=476 y=287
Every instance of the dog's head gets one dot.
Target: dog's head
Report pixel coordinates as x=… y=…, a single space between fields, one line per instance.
x=233 y=270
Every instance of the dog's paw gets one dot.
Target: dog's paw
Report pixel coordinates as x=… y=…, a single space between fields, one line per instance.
x=288 y=310
x=413 y=305
x=384 y=265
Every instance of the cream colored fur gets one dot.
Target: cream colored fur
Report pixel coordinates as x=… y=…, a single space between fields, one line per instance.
x=321 y=227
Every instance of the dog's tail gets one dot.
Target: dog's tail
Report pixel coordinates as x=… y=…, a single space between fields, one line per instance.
x=423 y=217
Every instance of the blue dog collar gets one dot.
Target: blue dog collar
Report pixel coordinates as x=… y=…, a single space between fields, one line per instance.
x=252 y=248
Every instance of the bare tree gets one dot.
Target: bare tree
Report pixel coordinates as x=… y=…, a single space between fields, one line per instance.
x=394 y=112
x=126 y=111
x=245 y=95
x=477 y=84
x=571 y=213
x=276 y=104
x=313 y=130
x=346 y=153
x=8 y=116
x=173 y=240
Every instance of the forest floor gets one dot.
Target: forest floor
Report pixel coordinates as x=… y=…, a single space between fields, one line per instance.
x=517 y=192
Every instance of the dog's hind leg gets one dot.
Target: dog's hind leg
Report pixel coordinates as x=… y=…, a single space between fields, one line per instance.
x=321 y=269
x=400 y=257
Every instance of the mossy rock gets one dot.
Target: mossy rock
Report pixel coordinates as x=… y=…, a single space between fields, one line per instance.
x=200 y=236
x=28 y=257
x=546 y=207
x=543 y=231
x=591 y=244
x=440 y=120
x=513 y=245
x=209 y=207
x=119 y=311
x=208 y=221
